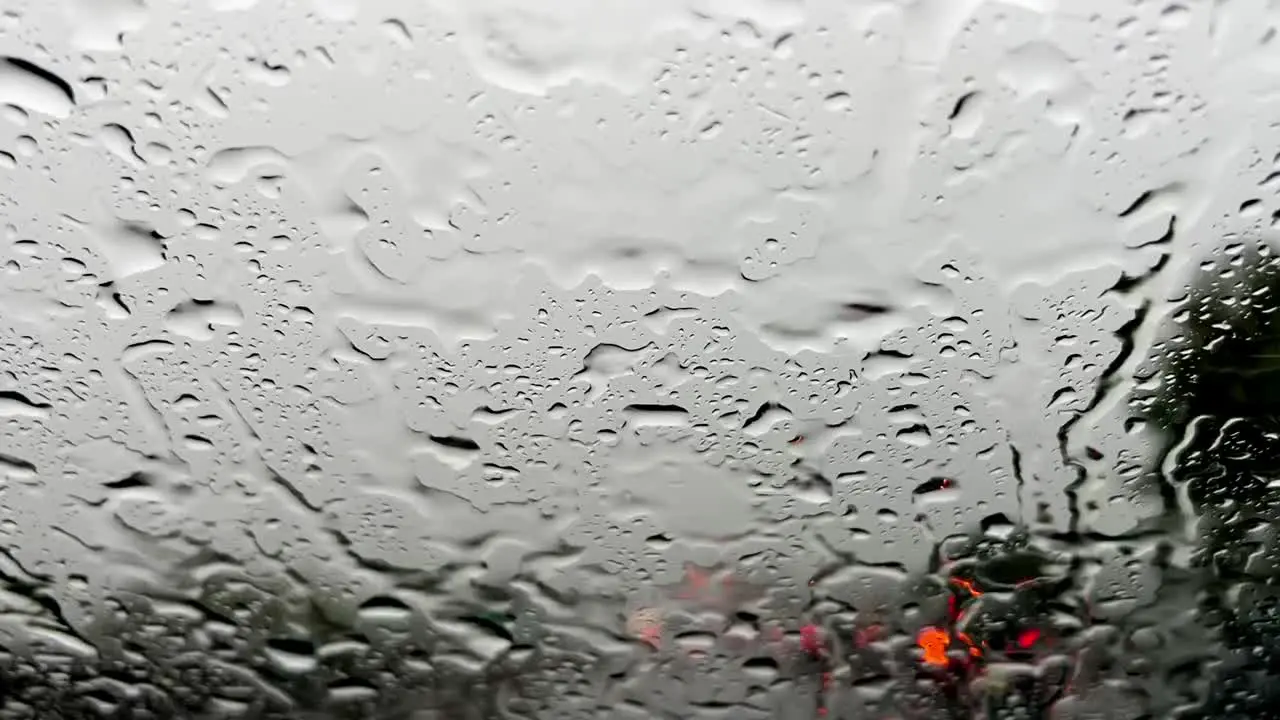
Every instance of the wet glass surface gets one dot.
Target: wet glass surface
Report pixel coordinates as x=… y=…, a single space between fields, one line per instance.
x=554 y=359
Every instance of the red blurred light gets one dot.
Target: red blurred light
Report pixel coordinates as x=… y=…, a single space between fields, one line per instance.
x=1028 y=638
x=811 y=640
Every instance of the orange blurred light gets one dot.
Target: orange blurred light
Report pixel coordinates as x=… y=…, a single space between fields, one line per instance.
x=934 y=642
x=967 y=585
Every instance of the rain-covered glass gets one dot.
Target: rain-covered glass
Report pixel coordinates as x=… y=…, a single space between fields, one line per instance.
x=640 y=359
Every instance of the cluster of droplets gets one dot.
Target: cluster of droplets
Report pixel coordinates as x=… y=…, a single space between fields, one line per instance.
x=286 y=428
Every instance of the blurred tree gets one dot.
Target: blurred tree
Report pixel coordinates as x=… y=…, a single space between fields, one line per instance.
x=1212 y=384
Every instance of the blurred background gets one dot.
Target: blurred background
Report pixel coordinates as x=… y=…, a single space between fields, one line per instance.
x=675 y=359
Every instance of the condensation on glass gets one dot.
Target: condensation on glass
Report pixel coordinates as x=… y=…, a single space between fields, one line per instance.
x=553 y=359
